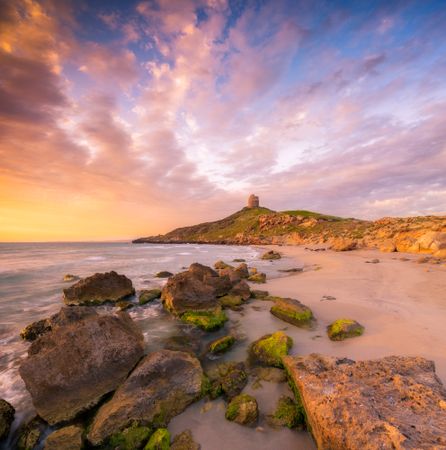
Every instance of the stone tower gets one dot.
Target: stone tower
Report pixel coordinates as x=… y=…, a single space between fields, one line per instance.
x=253 y=201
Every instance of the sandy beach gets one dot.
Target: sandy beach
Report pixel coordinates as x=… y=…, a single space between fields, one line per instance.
x=401 y=303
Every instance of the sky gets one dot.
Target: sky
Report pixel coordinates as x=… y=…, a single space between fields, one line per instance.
x=121 y=119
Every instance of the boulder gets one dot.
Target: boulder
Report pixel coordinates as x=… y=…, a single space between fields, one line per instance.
x=271 y=255
x=259 y=294
x=7 y=413
x=258 y=277
x=148 y=295
x=292 y=311
x=243 y=410
x=269 y=349
x=227 y=379
x=99 y=288
x=221 y=265
x=162 y=386
x=233 y=302
x=242 y=270
x=206 y=320
x=231 y=273
x=241 y=289
x=85 y=356
x=342 y=244
x=392 y=402
x=201 y=272
x=222 y=344
x=344 y=328
x=163 y=274
x=221 y=284
x=30 y=433
x=184 y=441
x=66 y=438
x=186 y=292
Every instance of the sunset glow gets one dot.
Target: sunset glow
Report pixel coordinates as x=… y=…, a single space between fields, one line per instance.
x=124 y=119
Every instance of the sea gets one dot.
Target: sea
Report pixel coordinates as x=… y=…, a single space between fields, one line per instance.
x=31 y=285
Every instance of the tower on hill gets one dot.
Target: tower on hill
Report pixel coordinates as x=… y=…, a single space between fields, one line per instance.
x=253 y=201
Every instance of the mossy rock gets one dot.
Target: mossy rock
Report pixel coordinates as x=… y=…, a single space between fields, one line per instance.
x=222 y=265
x=206 y=320
x=132 y=438
x=344 y=328
x=124 y=304
x=184 y=441
x=292 y=311
x=287 y=414
x=148 y=295
x=258 y=277
x=34 y=330
x=222 y=344
x=30 y=434
x=163 y=274
x=271 y=255
x=269 y=349
x=160 y=440
x=227 y=379
x=270 y=374
x=243 y=410
x=231 y=301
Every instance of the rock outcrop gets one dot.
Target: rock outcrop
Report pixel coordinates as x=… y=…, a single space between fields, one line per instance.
x=7 y=412
x=99 y=288
x=393 y=402
x=162 y=386
x=85 y=356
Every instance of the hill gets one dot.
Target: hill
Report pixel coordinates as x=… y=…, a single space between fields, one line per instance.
x=262 y=226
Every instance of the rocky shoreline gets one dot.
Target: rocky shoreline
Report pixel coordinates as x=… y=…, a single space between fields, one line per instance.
x=91 y=381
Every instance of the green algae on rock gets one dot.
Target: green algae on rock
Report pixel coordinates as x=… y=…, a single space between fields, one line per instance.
x=160 y=440
x=148 y=295
x=243 y=410
x=269 y=349
x=227 y=379
x=344 y=328
x=222 y=344
x=206 y=320
x=221 y=265
x=133 y=437
x=258 y=277
x=231 y=301
x=292 y=311
x=287 y=413
x=36 y=329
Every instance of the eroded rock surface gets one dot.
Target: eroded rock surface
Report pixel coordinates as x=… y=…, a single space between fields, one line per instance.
x=390 y=403
x=162 y=386
x=85 y=356
x=99 y=288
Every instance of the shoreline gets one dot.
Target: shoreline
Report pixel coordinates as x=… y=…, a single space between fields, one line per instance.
x=401 y=303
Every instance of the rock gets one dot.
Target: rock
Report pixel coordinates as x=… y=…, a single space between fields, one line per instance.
x=287 y=414
x=373 y=261
x=184 y=441
x=222 y=284
x=258 y=278
x=30 y=433
x=242 y=270
x=292 y=270
x=34 y=330
x=206 y=320
x=124 y=305
x=241 y=289
x=392 y=402
x=85 y=356
x=66 y=438
x=440 y=253
x=69 y=277
x=160 y=440
x=258 y=294
x=231 y=273
x=7 y=413
x=342 y=244
x=239 y=260
x=344 y=328
x=222 y=344
x=227 y=379
x=163 y=384
x=387 y=246
x=184 y=343
x=271 y=374
x=131 y=438
x=243 y=410
x=231 y=301
x=163 y=274
x=148 y=295
x=269 y=349
x=271 y=255
x=202 y=272
x=185 y=292
x=221 y=265
x=292 y=311
x=99 y=288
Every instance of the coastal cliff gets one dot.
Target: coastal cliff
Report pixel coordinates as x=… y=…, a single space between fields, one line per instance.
x=263 y=226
